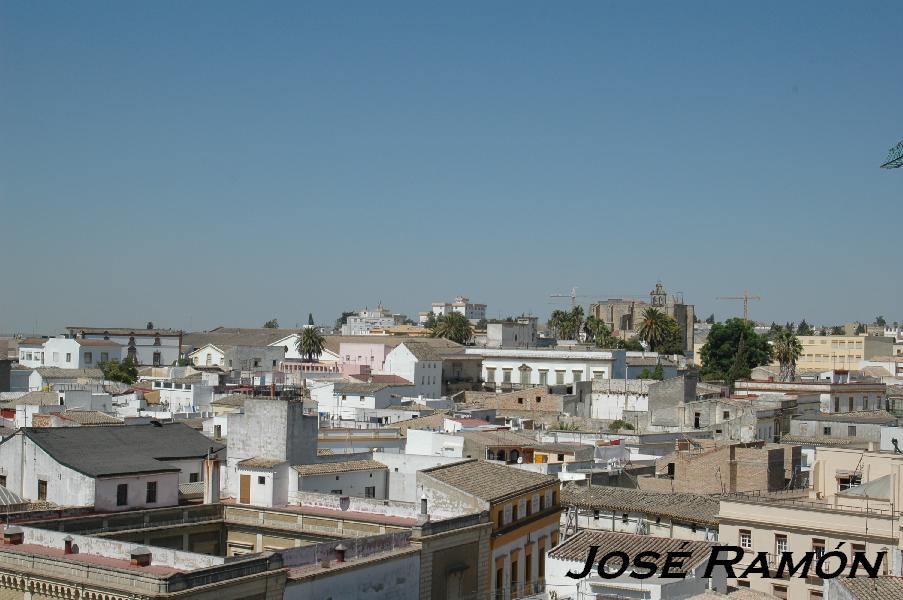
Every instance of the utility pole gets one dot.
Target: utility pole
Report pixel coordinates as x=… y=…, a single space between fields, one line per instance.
x=746 y=298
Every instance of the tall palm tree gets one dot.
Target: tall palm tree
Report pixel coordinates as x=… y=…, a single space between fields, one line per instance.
x=453 y=326
x=311 y=344
x=787 y=350
x=653 y=328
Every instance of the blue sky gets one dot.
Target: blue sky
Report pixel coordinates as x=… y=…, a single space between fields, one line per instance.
x=209 y=163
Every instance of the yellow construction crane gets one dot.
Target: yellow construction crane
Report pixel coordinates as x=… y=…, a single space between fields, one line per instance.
x=746 y=298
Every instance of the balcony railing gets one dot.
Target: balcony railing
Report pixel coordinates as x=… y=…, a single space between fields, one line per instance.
x=521 y=590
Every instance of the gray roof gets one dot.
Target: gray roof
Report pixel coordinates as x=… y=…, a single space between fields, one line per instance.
x=235 y=400
x=8 y=497
x=489 y=481
x=692 y=508
x=129 y=449
x=138 y=331
x=878 y=489
x=422 y=351
x=345 y=466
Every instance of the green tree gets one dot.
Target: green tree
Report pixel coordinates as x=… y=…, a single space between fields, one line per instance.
x=672 y=342
x=654 y=328
x=804 y=328
x=566 y=323
x=633 y=344
x=124 y=372
x=311 y=344
x=482 y=324
x=310 y=318
x=658 y=372
x=711 y=319
x=733 y=349
x=787 y=350
x=837 y=330
x=619 y=424
x=860 y=329
x=880 y=321
x=271 y=324
x=453 y=326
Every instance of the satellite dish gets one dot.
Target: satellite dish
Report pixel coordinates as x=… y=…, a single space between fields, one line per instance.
x=520 y=460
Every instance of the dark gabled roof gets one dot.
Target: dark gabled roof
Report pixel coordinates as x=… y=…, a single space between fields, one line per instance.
x=692 y=508
x=345 y=466
x=489 y=481
x=105 y=451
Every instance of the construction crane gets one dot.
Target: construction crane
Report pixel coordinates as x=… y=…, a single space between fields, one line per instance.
x=894 y=158
x=746 y=298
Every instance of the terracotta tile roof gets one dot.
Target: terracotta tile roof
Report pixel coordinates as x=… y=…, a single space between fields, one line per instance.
x=234 y=400
x=32 y=342
x=489 y=481
x=324 y=452
x=91 y=417
x=576 y=548
x=92 y=342
x=361 y=387
x=37 y=399
x=860 y=416
x=880 y=588
x=693 y=508
x=817 y=440
x=432 y=422
x=60 y=373
x=381 y=379
x=345 y=466
x=500 y=437
x=260 y=462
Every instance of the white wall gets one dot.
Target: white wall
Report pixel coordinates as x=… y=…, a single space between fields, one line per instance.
x=396 y=578
x=587 y=365
x=432 y=443
x=612 y=405
x=403 y=472
x=426 y=375
x=167 y=491
x=351 y=483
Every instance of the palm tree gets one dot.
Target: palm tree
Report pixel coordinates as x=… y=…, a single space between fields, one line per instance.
x=453 y=326
x=311 y=344
x=787 y=350
x=654 y=327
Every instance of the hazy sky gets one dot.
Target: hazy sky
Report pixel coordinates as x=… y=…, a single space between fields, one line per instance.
x=206 y=163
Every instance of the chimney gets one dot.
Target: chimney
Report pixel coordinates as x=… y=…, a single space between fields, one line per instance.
x=67 y=544
x=13 y=536
x=140 y=557
x=340 y=553
x=211 y=478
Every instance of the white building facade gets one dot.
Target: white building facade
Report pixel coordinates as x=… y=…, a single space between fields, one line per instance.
x=531 y=367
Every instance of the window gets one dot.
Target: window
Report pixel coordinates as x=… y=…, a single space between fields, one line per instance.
x=122 y=494
x=624 y=518
x=745 y=539
x=3 y=480
x=845 y=482
x=826 y=430
x=151 y=492
x=851 y=404
x=506 y=375
x=726 y=415
x=779 y=591
x=744 y=583
x=836 y=403
x=193 y=477
x=780 y=543
x=158 y=359
x=68 y=357
x=559 y=377
x=217 y=431
x=490 y=375
x=88 y=358
x=561 y=458
x=261 y=480
x=851 y=430
x=525 y=376
x=577 y=375
x=520 y=400
x=818 y=548
x=56 y=357
x=543 y=377
x=370 y=491
x=337 y=492
x=856 y=548
x=42 y=489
